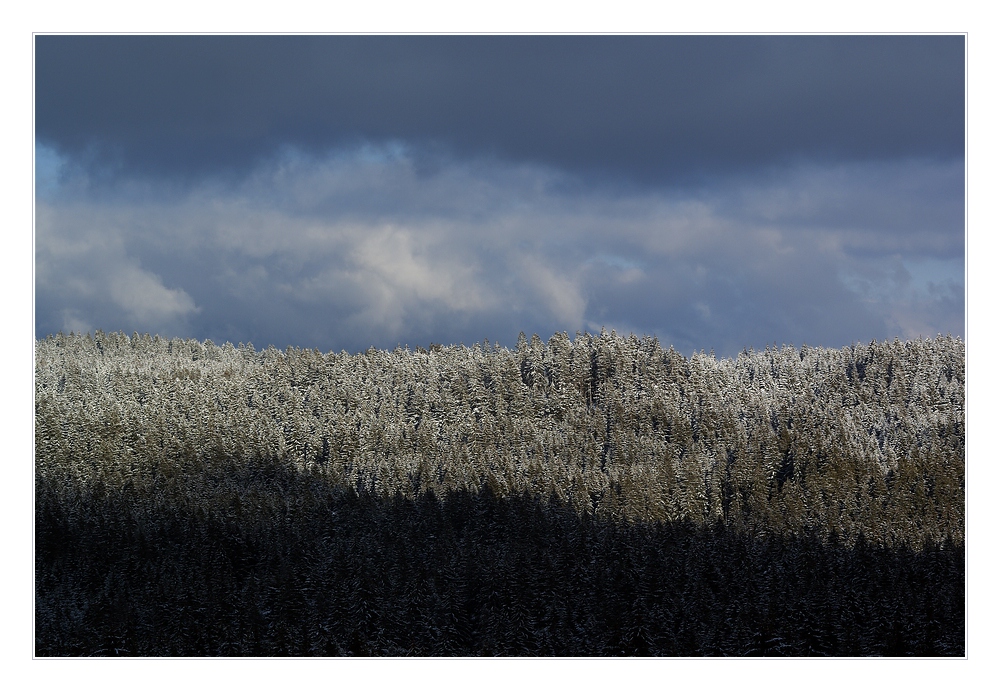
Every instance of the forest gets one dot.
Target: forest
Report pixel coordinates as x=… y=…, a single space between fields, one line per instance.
x=592 y=496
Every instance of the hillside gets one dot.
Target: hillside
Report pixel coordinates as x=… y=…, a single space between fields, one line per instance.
x=147 y=448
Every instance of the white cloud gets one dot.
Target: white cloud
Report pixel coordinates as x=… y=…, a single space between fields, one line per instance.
x=73 y=323
x=413 y=266
x=82 y=268
x=559 y=293
x=144 y=297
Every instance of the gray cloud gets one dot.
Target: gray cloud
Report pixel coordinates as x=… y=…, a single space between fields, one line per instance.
x=365 y=247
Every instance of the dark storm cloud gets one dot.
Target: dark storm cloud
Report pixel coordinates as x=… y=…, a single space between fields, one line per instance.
x=644 y=109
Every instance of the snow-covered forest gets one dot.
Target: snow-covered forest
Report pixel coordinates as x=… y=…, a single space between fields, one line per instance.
x=866 y=438
x=596 y=495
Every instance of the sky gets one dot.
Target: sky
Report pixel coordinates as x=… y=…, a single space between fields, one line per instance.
x=341 y=192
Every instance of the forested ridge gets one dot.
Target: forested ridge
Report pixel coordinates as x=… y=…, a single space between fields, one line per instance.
x=652 y=482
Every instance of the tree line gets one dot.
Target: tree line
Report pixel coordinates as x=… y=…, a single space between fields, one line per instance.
x=595 y=496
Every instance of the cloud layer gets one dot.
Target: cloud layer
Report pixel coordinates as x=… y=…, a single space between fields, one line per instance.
x=369 y=246
x=643 y=109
